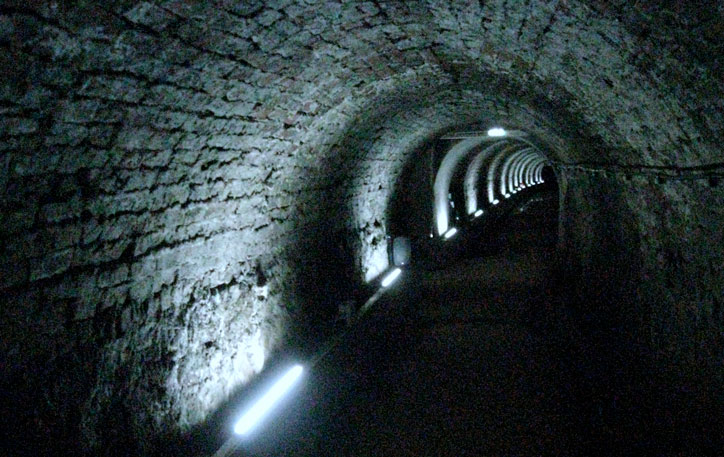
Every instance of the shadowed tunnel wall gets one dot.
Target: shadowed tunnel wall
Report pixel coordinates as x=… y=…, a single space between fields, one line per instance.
x=189 y=186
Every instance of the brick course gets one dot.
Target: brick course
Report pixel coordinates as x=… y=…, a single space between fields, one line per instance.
x=154 y=155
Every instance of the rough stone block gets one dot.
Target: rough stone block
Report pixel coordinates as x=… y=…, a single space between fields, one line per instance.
x=174 y=144
x=150 y=15
x=117 y=89
x=51 y=264
x=18 y=126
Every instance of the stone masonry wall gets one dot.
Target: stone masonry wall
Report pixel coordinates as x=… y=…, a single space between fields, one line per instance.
x=189 y=186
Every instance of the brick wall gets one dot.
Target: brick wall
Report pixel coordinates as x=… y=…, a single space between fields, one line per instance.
x=188 y=186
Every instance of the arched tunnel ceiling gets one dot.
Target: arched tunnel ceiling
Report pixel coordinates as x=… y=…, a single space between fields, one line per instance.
x=168 y=166
x=511 y=147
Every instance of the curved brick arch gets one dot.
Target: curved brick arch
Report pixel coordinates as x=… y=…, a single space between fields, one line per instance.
x=168 y=166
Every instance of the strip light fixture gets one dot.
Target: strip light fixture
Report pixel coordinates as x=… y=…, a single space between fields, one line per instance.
x=450 y=233
x=497 y=132
x=267 y=402
x=391 y=277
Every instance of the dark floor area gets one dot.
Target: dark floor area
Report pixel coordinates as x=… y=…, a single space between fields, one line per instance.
x=485 y=357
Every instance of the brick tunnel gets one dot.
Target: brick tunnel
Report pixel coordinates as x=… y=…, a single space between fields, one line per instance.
x=190 y=189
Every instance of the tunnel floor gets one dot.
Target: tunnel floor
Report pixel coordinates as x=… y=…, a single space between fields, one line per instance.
x=450 y=364
x=479 y=358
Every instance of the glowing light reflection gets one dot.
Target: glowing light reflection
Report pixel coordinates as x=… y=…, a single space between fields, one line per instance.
x=390 y=278
x=478 y=213
x=267 y=402
x=450 y=233
x=497 y=131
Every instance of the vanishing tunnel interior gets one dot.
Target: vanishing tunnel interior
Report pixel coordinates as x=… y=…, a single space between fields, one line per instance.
x=469 y=184
x=195 y=192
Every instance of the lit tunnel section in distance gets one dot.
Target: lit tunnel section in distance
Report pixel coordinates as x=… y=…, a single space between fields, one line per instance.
x=495 y=165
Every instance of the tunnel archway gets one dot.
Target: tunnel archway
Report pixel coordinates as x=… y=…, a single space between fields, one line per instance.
x=511 y=175
x=455 y=171
x=472 y=176
x=190 y=187
x=443 y=179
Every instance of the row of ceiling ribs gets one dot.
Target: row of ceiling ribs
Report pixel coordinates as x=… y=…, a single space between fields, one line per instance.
x=496 y=166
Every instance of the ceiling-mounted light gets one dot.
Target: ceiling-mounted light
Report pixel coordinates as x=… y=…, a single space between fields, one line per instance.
x=267 y=402
x=478 y=213
x=497 y=132
x=496 y=201
x=390 y=278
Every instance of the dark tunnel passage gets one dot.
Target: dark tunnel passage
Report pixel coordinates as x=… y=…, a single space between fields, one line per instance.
x=196 y=194
x=482 y=349
x=471 y=186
